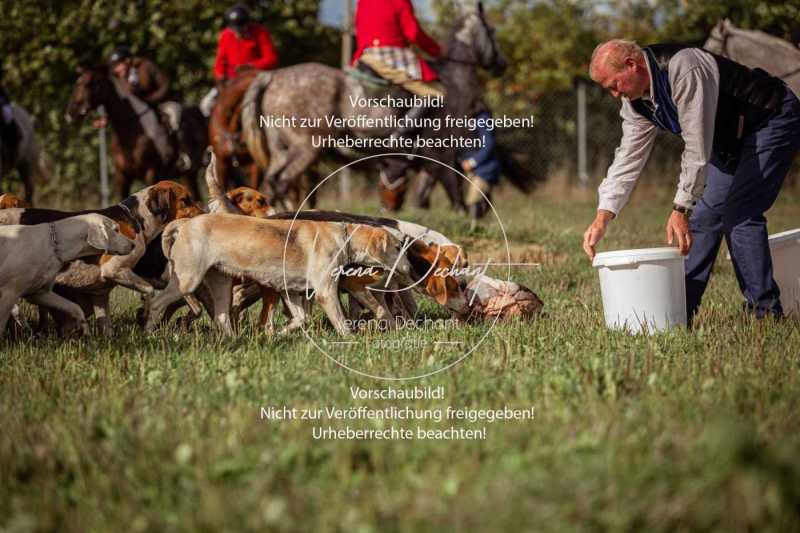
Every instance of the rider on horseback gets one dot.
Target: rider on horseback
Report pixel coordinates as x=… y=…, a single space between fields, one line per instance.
x=385 y=31
x=242 y=45
x=146 y=81
x=9 y=132
x=142 y=75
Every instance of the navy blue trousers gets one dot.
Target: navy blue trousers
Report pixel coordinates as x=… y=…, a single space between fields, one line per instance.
x=733 y=206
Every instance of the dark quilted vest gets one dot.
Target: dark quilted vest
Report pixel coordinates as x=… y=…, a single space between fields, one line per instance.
x=748 y=98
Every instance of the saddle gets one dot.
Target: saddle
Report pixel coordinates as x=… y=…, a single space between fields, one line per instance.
x=373 y=85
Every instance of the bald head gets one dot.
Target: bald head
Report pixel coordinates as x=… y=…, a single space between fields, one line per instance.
x=620 y=67
x=614 y=54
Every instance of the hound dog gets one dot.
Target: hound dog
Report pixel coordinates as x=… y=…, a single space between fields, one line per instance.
x=12 y=201
x=31 y=256
x=141 y=217
x=238 y=201
x=213 y=247
x=436 y=262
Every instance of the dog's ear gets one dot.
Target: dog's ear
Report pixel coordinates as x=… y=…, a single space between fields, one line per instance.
x=98 y=235
x=236 y=197
x=378 y=242
x=160 y=202
x=452 y=285
x=436 y=287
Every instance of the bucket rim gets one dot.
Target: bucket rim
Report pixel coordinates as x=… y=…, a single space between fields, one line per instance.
x=785 y=237
x=635 y=256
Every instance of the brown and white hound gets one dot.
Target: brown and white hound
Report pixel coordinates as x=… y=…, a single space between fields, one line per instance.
x=141 y=217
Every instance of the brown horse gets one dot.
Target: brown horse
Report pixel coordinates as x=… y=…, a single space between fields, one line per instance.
x=141 y=145
x=225 y=130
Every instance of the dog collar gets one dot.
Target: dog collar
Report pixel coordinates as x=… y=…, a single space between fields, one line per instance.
x=136 y=224
x=54 y=240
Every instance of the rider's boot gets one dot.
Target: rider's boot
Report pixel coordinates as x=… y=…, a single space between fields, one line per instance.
x=477 y=203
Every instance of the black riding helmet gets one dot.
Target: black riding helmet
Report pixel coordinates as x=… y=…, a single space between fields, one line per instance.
x=237 y=17
x=120 y=53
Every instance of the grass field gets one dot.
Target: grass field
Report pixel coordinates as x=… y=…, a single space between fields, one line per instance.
x=691 y=430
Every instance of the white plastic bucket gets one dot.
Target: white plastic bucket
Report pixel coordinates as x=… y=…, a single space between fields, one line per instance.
x=785 y=249
x=643 y=290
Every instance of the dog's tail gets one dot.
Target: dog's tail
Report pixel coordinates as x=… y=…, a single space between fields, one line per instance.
x=254 y=137
x=217 y=201
x=168 y=237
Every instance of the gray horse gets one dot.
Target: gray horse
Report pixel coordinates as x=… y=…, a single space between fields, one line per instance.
x=757 y=49
x=311 y=92
x=28 y=160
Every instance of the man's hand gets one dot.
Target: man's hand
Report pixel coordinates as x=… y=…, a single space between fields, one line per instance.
x=596 y=231
x=468 y=164
x=678 y=226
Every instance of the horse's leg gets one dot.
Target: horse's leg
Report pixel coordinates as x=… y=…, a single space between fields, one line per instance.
x=313 y=180
x=452 y=185
x=425 y=184
x=26 y=176
x=300 y=159
x=277 y=162
x=122 y=182
x=255 y=176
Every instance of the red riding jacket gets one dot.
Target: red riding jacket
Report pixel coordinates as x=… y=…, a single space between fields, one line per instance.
x=255 y=49
x=381 y=23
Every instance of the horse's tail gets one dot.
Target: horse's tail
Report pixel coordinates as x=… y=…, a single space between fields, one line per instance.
x=254 y=138
x=521 y=176
x=217 y=201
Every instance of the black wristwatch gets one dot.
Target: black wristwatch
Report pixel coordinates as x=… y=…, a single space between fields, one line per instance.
x=684 y=210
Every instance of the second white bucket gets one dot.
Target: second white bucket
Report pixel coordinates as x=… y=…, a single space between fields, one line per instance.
x=643 y=290
x=785 y=249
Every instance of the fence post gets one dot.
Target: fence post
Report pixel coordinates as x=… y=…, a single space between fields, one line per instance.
x=101 y=136
x=583 y=173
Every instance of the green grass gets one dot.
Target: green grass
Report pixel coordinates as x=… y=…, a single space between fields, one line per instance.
x=683 y=431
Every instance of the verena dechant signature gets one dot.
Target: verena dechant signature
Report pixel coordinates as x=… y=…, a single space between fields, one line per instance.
x=350 y=270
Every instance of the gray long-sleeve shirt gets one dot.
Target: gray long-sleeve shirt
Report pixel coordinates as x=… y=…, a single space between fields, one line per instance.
x=694 y=79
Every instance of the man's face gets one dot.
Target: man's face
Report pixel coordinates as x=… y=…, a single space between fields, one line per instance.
x=120 y=69
x=632 y=81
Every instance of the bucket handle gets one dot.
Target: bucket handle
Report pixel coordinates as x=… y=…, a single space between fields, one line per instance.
x=620 y=261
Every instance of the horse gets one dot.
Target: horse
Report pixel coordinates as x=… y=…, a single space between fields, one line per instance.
x=757 y=49
x=224 y=133
x=141 y=144
x=312 y=91
x=28 y=158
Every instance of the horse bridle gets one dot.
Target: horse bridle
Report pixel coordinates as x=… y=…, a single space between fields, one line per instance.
x=488 y=31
